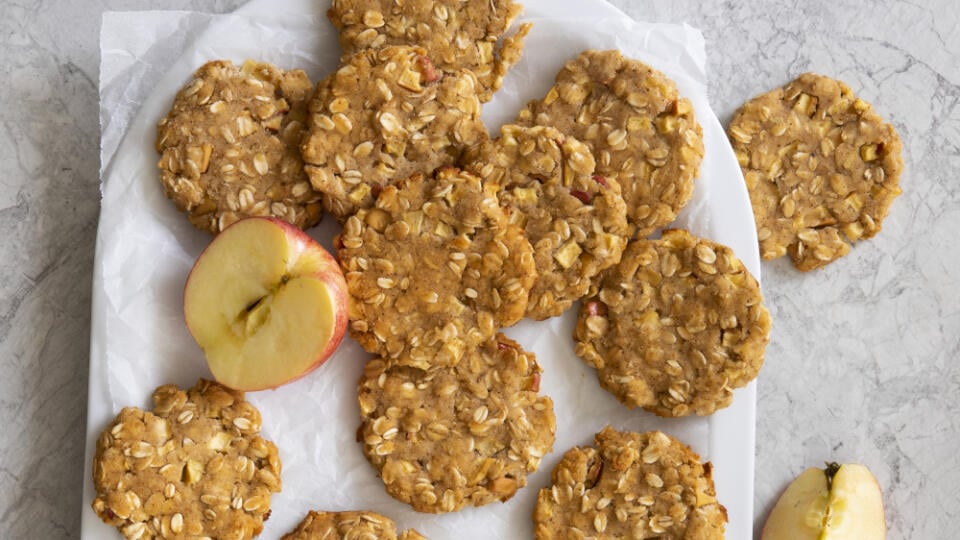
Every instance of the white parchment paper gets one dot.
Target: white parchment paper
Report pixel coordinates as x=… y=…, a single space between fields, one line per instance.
x=145 y=249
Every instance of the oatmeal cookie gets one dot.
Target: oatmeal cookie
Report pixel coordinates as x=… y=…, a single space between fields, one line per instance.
x=641 y=132
x=383 y=115
x=229 y=147
x=456 y=34
x=675 y=327
x=821 y=166
x=195 y=467
x=349 y=526
x=434 y=269
x=575 y=219
x=630 y=485
x=445 y=438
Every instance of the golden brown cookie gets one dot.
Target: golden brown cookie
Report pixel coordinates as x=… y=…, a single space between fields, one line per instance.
x=575 y=219
x=641 y=132
x=383 y=115
x=630 y=485
x=821 y=166
x=456 y=34
x=230 y=146
x=434 y=269
x=449 y=437
x=675 y=327
x=349 y=526
x=194 y=467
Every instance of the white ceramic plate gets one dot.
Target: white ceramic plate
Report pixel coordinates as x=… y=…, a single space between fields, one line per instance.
x=145 y=249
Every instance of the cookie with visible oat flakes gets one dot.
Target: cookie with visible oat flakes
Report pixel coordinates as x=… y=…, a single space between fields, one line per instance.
x=821 y=166
x=642 y=133
x=384 y=115
x=351 y=525
x=434 y=269
x=675 y=327
x=575 y=220
x=446 y=438
x=230 y=146
x=630 y=485
x=194 y=466
x=456 y=34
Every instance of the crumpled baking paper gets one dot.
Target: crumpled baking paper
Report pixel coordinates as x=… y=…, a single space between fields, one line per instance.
x=145 y=249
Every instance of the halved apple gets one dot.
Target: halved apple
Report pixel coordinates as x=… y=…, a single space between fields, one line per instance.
x=840 y=502
x=266 y=303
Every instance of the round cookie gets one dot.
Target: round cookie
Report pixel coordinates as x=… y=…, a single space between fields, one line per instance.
x=821 y=166
x=383 y=115
x=230 y=146
x=349 y=526
x=630 y=485
x=457 y=35
x=575 y=220
x=434 y=269
x=675 y=327
x=641 y=132
x=195 y=467
x=449 y=437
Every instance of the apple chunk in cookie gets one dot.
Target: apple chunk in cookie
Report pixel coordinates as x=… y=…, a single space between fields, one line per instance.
x=266 y=303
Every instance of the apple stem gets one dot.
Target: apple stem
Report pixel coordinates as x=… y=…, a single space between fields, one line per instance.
x=832 y=468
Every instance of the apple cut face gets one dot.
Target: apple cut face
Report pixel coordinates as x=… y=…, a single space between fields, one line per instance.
x=856 y=505
x=843 y=502
x=799 y=513
x=266 y=303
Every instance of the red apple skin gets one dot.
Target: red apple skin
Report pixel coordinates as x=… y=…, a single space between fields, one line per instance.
x=328 y=271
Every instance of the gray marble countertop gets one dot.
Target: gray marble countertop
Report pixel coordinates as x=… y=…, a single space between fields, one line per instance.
x=864 y=360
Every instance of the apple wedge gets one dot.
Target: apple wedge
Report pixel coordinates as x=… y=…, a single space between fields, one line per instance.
x=266 y=303
x=841 y=502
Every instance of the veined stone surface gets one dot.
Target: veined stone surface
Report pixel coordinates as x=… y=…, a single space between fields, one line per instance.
x=862 y=364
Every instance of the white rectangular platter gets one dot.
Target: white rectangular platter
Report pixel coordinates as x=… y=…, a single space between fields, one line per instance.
x=145 y=249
